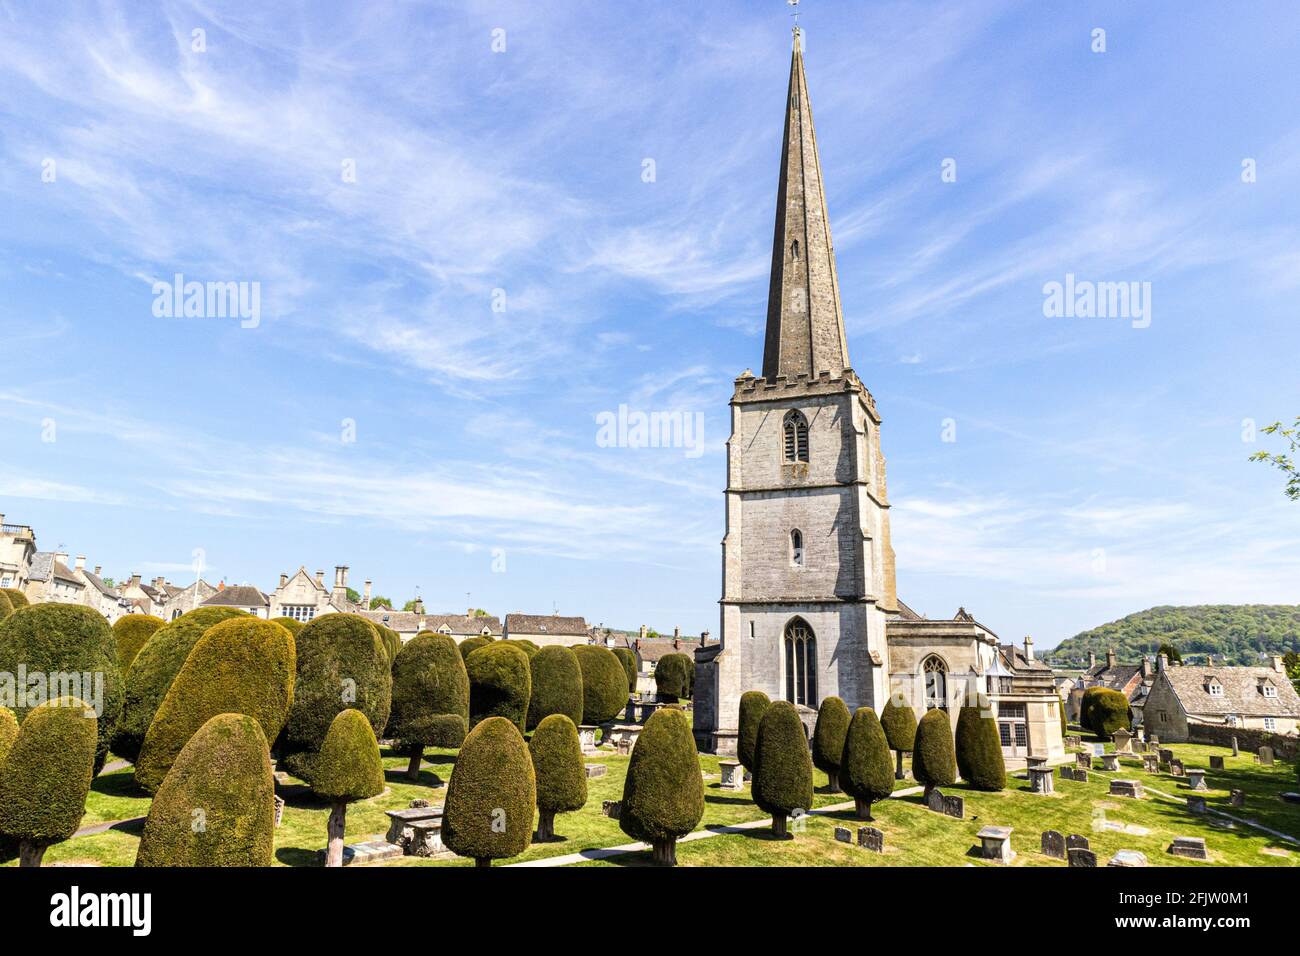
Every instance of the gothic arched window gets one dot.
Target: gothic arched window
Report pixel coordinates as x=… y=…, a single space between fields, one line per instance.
x=795 y=430
x=796 y=547
x=800 y=663
x=936 y=683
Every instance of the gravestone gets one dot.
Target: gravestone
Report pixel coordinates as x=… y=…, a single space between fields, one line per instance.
x=954 y=807
x=1080 y=856
x=1150 y=763
x=1126 y=788
x=1236 y=751
x=371 y=851
x=1166 y=756
x=279 y=809
x=843 y=835
x=1176 y=768
x=1139 y=747
x=1216 y=763
x=733 y=776
x=1237 y=798
x=611 y=808
x=1041 y=779
x=1110 y=762
x=1123 y=741
x=1196 y=779
x=402 y=826
x=1193 y=848
x=1195 y=804
x=1083 y=761
x=587 y=737
x=596 y=770
x=934 y=800
x=869 y=838
x=1053 y=844
x=1074 y=773
x=1076 y=842
x=1265 y=756
x=426 y=838
x=1072 y=741
x=1128 y=858
x=995 y=844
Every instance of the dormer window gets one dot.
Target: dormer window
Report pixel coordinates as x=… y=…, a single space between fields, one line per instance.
x=1269 y=690
x=796 y=548
x=1214 y=688
x=795 y=433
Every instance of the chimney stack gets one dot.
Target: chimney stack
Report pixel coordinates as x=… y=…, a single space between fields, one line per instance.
x=339 y=594
x=1029 y=648
x=61 y=557
x=704 y=638
x=159 y=581
x=98 y=568
x=643 y=632
x=1110 y=658
x=1162 y=662
x=677 y=633
x=81 y=562
x=1209 y=660
x=284 y=579
x=1278 y=664
x=135 y=580
x=1146 y=666
x=365 y=601
x=419 y=606
x=1092 y=659
x=320 y=579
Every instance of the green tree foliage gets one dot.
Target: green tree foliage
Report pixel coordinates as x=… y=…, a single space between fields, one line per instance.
x=471 y=644
x=753 y=705
x=377 y=602
x=628 y=660
x=223 y=773
x=663 y=793
x=6 y=606
x=66 y=638
x=560 y=769
x=525 y=645
x=153 y=671
x=347 y=769
x=16 y=597
x=8 y=732
x=430 y=697
x=132 y=632
x=899 y=722
x=675 y=677
x=783 y=782
x=241 y=666
x=934 y=761
x=47 y=774
x=1104 y=711
x=866 y=771
x=391 y=640
x=1170 y=652
x=604 y=684
x=557 y=685
x=289 y=624
x=1284 y=461
x=492 y=795
x=979 y=750
x=342 y=664
x=828 y=738
x=500 y=683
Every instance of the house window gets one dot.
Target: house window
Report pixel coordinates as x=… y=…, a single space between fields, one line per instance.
x=1164 y=717
x=800 y=664
x=936 y=683
x=795 y=429
x=1215 y=689
x=796 y=547
x=1270 y=690
x=299 y=612
x=1270 y=723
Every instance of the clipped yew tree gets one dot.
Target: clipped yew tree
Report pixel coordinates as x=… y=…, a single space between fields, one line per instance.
x=430 y=697
x=525 y=645
x=68 y=639
x=979 y=749
x=292 y=625
x=675 y=677
x=560 y=771
x=16 y=597
x=1104 y=711
x=223 y=775
x=866 y=770
x=828 y=738
x=241 y=666
x=899 y=723
x=392 y=641
x=347 y=769
x=132 y=632
x=934 y=764
x=492 y=796
x=153 y=670
x=6 y=606
x=471 y=644
x=753 y=705
x=8 y=732
x=47 y=774
x=628 y=660
x=341 y=665
x=663 y=793
x=604 y=684
x=783 y=780
x=557 y=685
x=500 y=683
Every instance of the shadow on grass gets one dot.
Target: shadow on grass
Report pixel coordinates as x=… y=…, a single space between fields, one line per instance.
x=119 y=784
x=713 y=798
x=427 y=778
x=296 y=856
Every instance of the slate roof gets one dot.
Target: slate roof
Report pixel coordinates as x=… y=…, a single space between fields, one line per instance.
x=546 y=624
x=905 y=613
x=238 y=595
x=98 y=584
x=1242 y=691
x=401 y=621
x=44 y=566
x=1014 y=655
x=463 y=623
x=1116 y=676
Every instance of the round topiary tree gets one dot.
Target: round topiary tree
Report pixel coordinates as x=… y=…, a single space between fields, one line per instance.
x=663 y=793
x=67 y=639
x=934 y=764
x=783 y=782
x=629 y=666
x=8 y=732
x=391 y=640
x=866 y=770
x=979 y=749
x=604 y=684
x=899 y=723
x=525 y=645
x=430 y=697
x=347 y=769
x=560 y=770
x=292 y=625
x=500 y=683
x=342 y=664
x=6 y=606
x=153 y=670
x=557 y=685
x=674 y=677
x=828 y=739
x=753 y=705
x=224 y=771
x=1104 y=711
x=47 y=774
x=240 y=666
x=132 y=632
x=492 y=796
x=471 y=644
x=16 y=597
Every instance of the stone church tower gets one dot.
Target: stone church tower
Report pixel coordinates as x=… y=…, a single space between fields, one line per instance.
x=807 y=566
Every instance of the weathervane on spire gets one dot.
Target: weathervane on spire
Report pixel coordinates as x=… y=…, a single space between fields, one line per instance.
x=795 y=4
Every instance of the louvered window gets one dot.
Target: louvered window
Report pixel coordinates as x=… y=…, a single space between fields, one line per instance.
x=796 y=437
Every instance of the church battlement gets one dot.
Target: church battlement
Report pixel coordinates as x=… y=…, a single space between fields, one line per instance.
x=751 y=388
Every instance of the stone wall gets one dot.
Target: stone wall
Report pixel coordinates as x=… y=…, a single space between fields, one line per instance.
x=1248 y=740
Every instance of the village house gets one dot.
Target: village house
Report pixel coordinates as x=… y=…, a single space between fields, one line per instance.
x=1131 y=680
x=241 y=597
x=98 y=595
x=303 y=597
x=17 y=548
x=50 y=579
x=460 y=626
x=1251 y=698
x=544 y=629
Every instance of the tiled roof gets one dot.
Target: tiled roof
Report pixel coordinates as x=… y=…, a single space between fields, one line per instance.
x=1014 y=655
x=239 y=595
x=1116 y=676
x=401 y=621
x=44 y=566
x=545 y=624
x=98 y=583
x=905 y=613
x=463 y=623
x=1242 y=691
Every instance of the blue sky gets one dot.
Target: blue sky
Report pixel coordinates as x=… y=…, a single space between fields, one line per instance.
x=1098 y=468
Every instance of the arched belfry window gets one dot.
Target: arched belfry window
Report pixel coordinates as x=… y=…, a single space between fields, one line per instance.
x=936 y=683
x=794 y=249
x=796 y=547
x=795 y=429
x=800 y=663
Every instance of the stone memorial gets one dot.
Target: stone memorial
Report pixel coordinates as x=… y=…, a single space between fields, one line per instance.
x=1110 y=762
x=587 y=737
x=596 y=770
x=1083 y=761
x=1196 y=804
x=869 y=838
x=1081 y=856
x=1176 y=768
x=1053 y=844
x=1196 y=779
x=1150 y=763
x=1166 y=755
x=402 y=827
x=1237 y=798
x=1074 y=740
x=1123 y=741
x=1236 y=751
x=1041 y=779
x=1216 y=763
x=995 y=844
x=629 y=712
x=843 y=835
x=371 y=851
x=1265 y=756
x=733 y=776
x=1154 y=741
x=611 y=808
x=1126 y=788
x=1076 y=842
x=1193 y=848
x=1128 y=858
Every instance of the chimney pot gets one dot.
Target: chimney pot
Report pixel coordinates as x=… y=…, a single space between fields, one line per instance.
x=284 y=579
x=1092 y=659
x=340 y=576
x=365 y=601
x=1110 y=658
x=1162 y=662
x=135 y=578
x=98 y=568
x=320 y=578
x=1278 y=664
x=81 y=562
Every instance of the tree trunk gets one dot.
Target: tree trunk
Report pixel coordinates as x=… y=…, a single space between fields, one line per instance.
x=30 y=854
x=863 y=808
x=926 y=796
x=413 y=768
x=665 y=853
x=779 y=829
x=335 y=827
x=545 y=826
x=483 y=861
x=898 y=774
x=834 y=777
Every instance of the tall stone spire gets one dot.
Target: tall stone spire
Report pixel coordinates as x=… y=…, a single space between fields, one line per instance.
x=805 y=323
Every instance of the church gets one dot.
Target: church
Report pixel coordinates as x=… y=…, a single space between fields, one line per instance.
x=809 y=605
